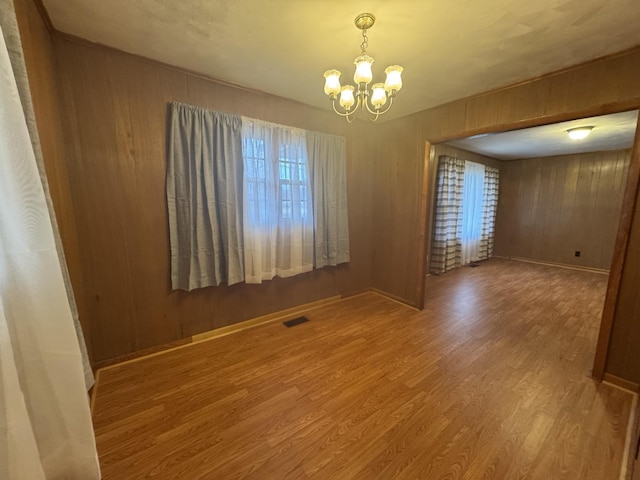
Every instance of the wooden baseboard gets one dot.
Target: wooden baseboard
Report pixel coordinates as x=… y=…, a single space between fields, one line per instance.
x=220 y=332
x=554 y=264
x=271 y=317
x=621 y=382
x=396 y=298
x=102 y=364
x=93 y=393
x=629 y=455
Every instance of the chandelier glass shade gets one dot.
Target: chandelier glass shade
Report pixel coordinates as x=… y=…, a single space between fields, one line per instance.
x=370 y=99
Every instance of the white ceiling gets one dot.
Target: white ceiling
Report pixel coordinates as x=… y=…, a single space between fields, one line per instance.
x=450 y=49
x=610 y=132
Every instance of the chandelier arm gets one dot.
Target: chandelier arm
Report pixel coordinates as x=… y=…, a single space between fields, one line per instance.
x=355 y=109
x=388 y=106
x=342 y=114
x=366 y=104
x=348 y=114
x=374 y=118
x=377 y=113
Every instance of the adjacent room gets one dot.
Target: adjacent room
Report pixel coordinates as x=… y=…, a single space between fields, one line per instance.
x=211 y=267
x=560 y=198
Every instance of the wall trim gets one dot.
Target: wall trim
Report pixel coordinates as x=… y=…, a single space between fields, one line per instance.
x=261 y=320
x=395 y=298
x=554 y=264
x=621 y=383
x=424 y=228
x=629 y=452
x=45 y=17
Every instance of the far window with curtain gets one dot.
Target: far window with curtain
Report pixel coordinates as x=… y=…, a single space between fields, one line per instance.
x=466 y=203
x=249 y=200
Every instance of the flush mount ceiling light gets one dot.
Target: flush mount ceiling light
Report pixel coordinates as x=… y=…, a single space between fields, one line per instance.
x=579 y=133
x=350 y=100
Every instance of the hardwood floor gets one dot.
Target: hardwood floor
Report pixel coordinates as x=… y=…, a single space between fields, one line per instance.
x=489 y=381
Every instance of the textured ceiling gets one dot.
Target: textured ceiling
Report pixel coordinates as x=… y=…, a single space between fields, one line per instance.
x=450 y=49
x=610 y=132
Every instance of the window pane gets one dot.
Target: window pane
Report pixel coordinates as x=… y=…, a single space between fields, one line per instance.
x=286 y=203
x=303 y=201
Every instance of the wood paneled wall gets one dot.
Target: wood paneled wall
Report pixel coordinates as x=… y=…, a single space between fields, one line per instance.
x=623 y=359
x=398 y=181
x=115 y=114
x=37 y=45
x=550 y=207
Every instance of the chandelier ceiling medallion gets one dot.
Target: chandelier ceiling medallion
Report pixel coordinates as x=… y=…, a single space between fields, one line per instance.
x=370 y=100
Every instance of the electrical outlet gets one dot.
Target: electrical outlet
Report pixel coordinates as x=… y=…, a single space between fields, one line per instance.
x=577 y=254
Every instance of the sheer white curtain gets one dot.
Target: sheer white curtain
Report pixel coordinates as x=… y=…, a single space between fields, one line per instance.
x=45 y=424
x=472 y=211
x=278 y=215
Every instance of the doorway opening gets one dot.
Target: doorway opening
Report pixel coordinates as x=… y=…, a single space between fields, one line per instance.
x=560 y=200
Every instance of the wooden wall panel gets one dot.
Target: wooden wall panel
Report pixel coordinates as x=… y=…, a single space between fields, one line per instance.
x=623 y=330
x=41 y=66
x=116 y=119
x=398 y=174
x=550 y=207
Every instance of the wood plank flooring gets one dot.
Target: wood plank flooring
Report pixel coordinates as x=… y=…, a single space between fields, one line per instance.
x=489 y=381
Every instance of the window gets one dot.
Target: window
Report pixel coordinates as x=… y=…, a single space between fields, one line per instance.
x=292 y=185
x=466 y=201
x=255 y=177
x=472 y=212
x=278 y=219
x=248 y=200
x=294 y=181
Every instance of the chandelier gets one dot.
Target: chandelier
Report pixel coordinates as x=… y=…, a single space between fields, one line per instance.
x=370 y=100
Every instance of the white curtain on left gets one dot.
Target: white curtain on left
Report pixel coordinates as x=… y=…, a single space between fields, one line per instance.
x=45 y=423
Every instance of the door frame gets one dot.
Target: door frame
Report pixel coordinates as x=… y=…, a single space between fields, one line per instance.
x=427 y=196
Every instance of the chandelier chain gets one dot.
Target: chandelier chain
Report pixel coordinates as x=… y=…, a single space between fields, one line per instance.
x=365 y=42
